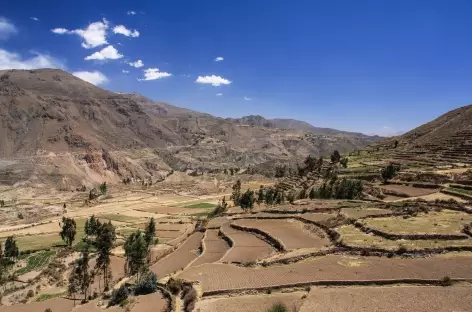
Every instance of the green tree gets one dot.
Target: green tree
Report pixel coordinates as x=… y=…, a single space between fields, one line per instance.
x=389 y=172
x=11 y=250
x=150 y=232
x=269 y=196
x=136 y=252
x=147 y=285
x=310 y=163
x=278 y=307
x=236 y=195
x=335 y=157
x=81 y=278
x=312 y=194
x=344 y=162
x=105 y=240
x=260 y=196
x=320 y=164
x=291 y=197
x=247 y=200
x=302 y=194
x=69 y=229
x=92 y=226
x=103 y=188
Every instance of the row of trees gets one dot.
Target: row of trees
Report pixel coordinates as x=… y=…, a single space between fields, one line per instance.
x=8 y=256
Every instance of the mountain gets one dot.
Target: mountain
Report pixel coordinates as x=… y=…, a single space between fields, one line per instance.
x=446 y=139
x=293 y=124
x=57 y=128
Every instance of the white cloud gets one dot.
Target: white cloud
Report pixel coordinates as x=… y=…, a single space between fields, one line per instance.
x=94 y=35
x=60 y=31
x=34 y=18
x=121 y=29
x=94 y=77
x=7 y=29
x=154 y=73
x=131 y=12
x=219 y=94
x=9 y=60
x=106 y=53
x=247 y=98
x=136 y=64
x=215 y=81
x=124 y=71
x=219 y=59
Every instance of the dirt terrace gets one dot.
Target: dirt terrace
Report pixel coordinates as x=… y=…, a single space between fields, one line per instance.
x=387 y=299
x=291 y=233
x=214 y=248
x=246 y=247
x=218 y=277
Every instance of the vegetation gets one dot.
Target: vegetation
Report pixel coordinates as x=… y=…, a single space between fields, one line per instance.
x=147 y=284
x=136 y=253
x=247 y=200
x=80 y=278
x=103 y=188
x=36 y=261
x=278 y=307
x=236 y=195
x=335 y=157
x=11 y=249
x=119 y=296
x=105 y=240
x=150 y=232
x=341 y=189
x=201 y=205
x=344 y=162
x=220 y=209
x=389 y=172
x=69 y=230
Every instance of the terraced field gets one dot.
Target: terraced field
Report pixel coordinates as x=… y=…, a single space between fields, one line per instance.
x=337 y=268
x=246 y=247
x=214 y=248
x=291 y=233
x=180 y=258
x=408 y=190
x=387 y=299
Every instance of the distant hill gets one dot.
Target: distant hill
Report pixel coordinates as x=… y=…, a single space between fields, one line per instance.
x=57 y=126
x=256 y=120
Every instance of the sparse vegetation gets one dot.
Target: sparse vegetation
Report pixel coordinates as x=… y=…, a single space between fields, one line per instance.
x=278 y=307
x=69 y=230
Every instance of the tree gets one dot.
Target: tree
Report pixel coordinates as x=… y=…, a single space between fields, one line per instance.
x=312 y=194
x=389 y=172
x=395 y=144
x=150 y=232
x=236 y=195
x=105 y=240
x=147 y=284
x=320 y=164
x=92 y=226
x=335 y=157
x=344 y=162
x=291 y=197
x=81 y=278
x=269 y=196
x=136 y=253
x=11 y=249
x=73 y=286
x=247 y=200
x=260 y=196
x=310 y=163
x=103 y=188
x=302 y=194
x=69 y=229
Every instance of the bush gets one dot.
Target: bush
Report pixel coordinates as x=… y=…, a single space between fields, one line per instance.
x=174 y=286
x=30 y=293
x=147 y=284
x=119 y=296
x=190 y=298
x=446 y=281
x=48 y=310
x=278 y=307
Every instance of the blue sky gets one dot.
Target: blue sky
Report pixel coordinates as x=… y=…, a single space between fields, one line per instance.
x=368 y=66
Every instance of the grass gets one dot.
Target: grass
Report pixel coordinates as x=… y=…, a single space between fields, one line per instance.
x=201 y=214
x=442 y=222
x=126 y=231
x=44 y=297
x=36 y=261
x=120 y=218
x=354 y=237
x=201 y=205
x=460 y=190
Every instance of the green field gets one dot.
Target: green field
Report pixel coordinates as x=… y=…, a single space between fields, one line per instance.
x=201 y=205
x=120 y=218
x=36 y=261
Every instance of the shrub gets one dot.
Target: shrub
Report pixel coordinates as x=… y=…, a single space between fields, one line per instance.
x=174 y=285
x=190 y=298
x=446 y=281
x=119 y=296
x=48 y=310
x=30 y=293
x=147 y=284
x=278 y=307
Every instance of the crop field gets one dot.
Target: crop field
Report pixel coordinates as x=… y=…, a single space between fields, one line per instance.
x=214 y=248
x=246 y=246
x=180 y=258
x=291 y=233
x=356 y=213
x=36 y=261
x=386 y=299
x=218 y=277
x=408 y=190
x=442 y=222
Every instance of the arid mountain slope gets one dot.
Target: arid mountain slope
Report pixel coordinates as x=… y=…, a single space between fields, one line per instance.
x=54 y=124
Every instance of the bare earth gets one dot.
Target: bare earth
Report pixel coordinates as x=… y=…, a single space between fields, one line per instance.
x=214 y=248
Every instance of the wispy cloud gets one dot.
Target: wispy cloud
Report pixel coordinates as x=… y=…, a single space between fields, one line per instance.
x=94 y=77
x=219 y=59
x=124 y=71
x=94 y=35
x=131 y=12
x=247 y=98
x=219 y=94
x=154 y=73
x=10 y=60
x=34 y=18
x=108 y=53
x=215 y=81
x=121 y=29
x=137 y=64
x=7 y=29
